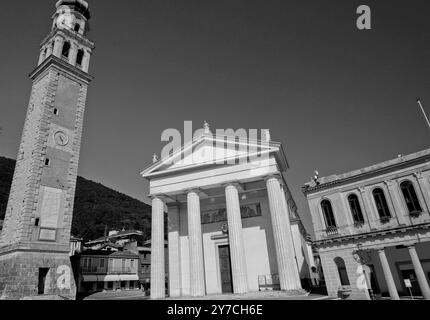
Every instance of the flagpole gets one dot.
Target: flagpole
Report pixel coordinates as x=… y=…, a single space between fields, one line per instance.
x=424 y=112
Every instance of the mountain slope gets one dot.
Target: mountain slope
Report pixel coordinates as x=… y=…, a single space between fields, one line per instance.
x=96 y=207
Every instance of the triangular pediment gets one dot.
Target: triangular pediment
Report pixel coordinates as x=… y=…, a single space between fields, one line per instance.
x=208 y=150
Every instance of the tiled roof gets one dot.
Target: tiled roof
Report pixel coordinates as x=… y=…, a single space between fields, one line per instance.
x=111 y=254
x=124 y=254
x=118 y=235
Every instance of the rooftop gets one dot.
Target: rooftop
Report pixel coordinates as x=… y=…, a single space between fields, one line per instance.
x=121 y=234
x=370 y=170
x=111 y=254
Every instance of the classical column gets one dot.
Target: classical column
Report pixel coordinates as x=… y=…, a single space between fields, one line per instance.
x=237 y=248
x=197 y=272
x=292 y=251
x=419 y=272
x=388 y=275
x=281 y=234
x=174 y=253
x=158 y=285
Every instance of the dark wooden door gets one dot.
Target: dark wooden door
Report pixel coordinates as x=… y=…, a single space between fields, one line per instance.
x=225 y=268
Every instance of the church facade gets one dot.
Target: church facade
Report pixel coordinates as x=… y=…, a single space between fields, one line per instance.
x=34 y=242
x=232 y=228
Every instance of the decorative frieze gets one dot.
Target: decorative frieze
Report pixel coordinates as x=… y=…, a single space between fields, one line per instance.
x=220 y=215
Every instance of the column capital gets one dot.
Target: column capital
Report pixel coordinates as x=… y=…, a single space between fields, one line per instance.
x=411 y=245
x=273 y=176
x=235 y=184
x=192 y=190
x=388 y=183
x=156 y=196
x=418 y=174
x=380 y=249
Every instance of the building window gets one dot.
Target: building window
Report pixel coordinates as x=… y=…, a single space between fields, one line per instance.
x=80 y=57
x=328 y=214
x=341 y=269
x=47 y=162
x=132 y=264
x=77 y=27
x=357 y=214
x=102 y=263
x=410 y=196
x=56 y=111
x=381 y=204
x=66 y=49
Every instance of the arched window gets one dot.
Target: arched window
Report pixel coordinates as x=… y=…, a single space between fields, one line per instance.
x=80 y=57
x=77 y=27
x=341 y=269
x=410 y=196
x=381 y=204
x=354 y=204
x=328 y=214
x=66 y=49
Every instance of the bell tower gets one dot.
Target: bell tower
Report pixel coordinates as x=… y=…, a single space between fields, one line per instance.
x=34 y=243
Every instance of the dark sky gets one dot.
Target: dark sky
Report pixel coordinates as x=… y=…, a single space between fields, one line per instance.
x=337 y=98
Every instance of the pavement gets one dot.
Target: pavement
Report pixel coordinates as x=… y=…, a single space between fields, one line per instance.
x=269 y=295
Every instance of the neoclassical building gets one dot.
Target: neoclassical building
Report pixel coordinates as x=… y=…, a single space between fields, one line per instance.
x=229 y=225
x=372 y=228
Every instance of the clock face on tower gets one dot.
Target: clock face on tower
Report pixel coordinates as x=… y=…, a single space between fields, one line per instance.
x=61 y=138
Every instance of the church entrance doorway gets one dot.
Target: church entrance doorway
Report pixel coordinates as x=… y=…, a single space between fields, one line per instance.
x=225 y=269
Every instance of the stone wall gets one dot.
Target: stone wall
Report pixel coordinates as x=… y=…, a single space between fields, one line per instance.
x=19 y=275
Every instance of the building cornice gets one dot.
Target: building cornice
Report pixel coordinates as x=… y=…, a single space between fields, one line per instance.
x=368 y=235
x=53 y=61
x=368 y=172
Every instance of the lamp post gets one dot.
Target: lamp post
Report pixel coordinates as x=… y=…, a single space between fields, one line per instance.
x=423 y=111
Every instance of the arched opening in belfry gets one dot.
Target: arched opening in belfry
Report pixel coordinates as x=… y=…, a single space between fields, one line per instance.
x=66 y=49
x=80 y=57
x=77 y=27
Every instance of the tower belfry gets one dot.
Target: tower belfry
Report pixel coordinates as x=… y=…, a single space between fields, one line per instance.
x=34 y=243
